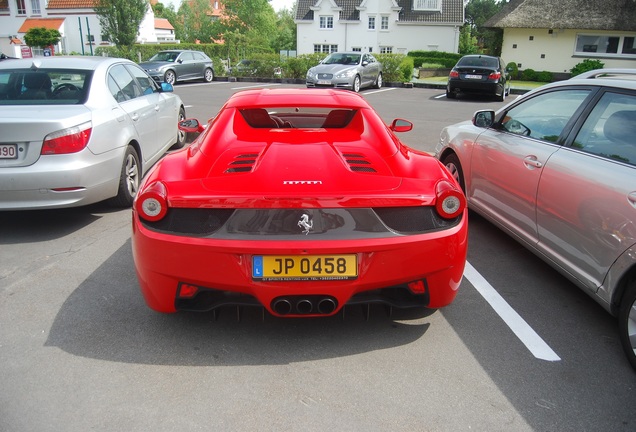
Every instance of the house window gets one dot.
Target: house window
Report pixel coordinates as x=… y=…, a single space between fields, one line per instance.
x=386 y=50
x=384 y=23
x=35 y=7
x=605 y=45
x=326 y=22
x=21 y=7
x=371 y=23
x=90 y=39
x=427 y=5
x=356 y=49
x=325 y=48
x=105 y=38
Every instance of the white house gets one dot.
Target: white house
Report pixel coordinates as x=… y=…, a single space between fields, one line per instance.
x=76 y=20
x=554 y=36
x=379 y=26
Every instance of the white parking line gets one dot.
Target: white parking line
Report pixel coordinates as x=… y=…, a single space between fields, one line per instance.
x=518 y=325
x=443 y=95
x=380 y=90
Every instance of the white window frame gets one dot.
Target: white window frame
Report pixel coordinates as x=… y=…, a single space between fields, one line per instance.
x=35 y=7
x=427 y=5
x=371 y=23
x=596 y=44
x=386 y=50
x=326 y=22
x=21 y=6
x=384 y=22
x=325 y=48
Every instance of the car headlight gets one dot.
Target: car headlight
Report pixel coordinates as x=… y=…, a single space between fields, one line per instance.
x=310 y=73
x=346 y=74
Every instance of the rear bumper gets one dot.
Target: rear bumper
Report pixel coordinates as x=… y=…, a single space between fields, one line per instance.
x=221 y=272
x=59 y=181
x=476 y=87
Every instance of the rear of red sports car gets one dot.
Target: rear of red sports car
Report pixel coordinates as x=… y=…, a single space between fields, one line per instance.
x=300 y=201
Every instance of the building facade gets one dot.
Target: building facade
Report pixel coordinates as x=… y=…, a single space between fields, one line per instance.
x=378 y=26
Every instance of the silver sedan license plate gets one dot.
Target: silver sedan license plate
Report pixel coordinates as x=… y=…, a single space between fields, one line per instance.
x=8 y=151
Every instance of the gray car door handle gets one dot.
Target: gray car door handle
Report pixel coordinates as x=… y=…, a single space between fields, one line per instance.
x=631 y=197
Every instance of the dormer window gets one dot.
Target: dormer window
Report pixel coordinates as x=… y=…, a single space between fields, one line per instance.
x=326 y=22
x=427 y=5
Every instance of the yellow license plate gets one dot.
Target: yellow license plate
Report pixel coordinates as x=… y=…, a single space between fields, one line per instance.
x=305 y=267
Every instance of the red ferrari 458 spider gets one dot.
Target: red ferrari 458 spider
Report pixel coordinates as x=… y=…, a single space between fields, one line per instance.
x=301 y=201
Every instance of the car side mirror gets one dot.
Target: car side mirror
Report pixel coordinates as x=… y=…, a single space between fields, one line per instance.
x=191 y=125
x=484 y=119
x=365 y=62
x=401 y=125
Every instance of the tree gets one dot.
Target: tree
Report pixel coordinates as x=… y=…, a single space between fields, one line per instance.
x=254 y=20
x=477 y=12
x=195 y=22
x=42 y=37
x=467 y=42
x=286 y=31
x=120 y=19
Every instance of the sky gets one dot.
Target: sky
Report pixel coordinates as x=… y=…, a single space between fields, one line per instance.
x=276 y=4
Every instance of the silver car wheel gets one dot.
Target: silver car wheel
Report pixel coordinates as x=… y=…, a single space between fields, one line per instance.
x=356 y=84
x=451 y=162
x=181 y=135
x=378 y=81
x=208 y=75
x=170 y=77
x=128 y=179
x=132 y=174
x=627 y=324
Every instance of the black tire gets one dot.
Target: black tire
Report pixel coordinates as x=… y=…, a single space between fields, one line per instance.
x=450 y=94
x=208 y=75
x=129 y=178
x=452 y=164
x=627 y=324
x=181 y=135
x=378 y=81
x=170 y=77
x=356 y=84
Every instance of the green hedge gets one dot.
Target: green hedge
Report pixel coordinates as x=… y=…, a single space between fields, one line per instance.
x=395 y=67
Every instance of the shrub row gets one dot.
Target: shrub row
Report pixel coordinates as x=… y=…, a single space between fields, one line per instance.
x=396 y=67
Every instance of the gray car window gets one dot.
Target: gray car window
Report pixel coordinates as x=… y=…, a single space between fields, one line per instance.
x=610 y=129
x=147 y=84
x=544 y=116
x=186 y=56
x=124 y=82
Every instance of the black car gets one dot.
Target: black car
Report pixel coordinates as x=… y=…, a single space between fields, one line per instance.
x=479 y=74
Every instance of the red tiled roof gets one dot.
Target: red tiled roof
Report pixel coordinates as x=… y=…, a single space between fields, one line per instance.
x=48 y=23
x=71 y=4
x=162 y=23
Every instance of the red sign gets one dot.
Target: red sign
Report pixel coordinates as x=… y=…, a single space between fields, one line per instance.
x=26 y=51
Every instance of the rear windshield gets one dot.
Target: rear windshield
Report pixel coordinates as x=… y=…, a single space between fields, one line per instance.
x=44 y=86
x=298 y=117
x=479 y=61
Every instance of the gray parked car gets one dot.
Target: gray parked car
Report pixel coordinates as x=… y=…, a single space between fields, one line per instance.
x=179 y=65
x=78 y=130
x=556 y=169
x=348 y=70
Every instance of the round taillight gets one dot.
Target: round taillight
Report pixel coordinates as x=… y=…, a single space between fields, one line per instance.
x=152 y=204
x=450 y=200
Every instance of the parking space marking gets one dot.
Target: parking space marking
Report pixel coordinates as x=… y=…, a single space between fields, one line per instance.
x=379 y=90
x=513 y=320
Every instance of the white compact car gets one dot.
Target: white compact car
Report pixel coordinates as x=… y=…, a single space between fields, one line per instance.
x=79 y=130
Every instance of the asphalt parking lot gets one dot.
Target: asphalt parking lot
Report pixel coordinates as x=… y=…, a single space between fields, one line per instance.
x=520 y=349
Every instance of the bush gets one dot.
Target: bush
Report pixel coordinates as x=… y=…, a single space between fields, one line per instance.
x=585 y=66
x=513 y=69
x=544 y=76
x=529 y=75
x=394 y=67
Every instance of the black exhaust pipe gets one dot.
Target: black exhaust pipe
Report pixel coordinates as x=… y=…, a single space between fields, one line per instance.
x=304 y=306
x=326 y=306
x=282 y=307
